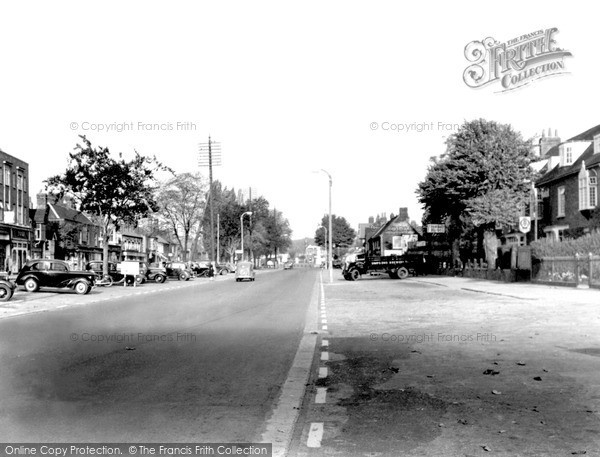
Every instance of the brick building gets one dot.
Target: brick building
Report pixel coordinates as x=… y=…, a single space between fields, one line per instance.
x=15 y=231
x=567 y=191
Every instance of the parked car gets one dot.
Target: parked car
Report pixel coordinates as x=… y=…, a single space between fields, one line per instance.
x=288 y=265
x=225 y=268
x=54 y=273
x=199 y=268
x=7 y=288
x=153 y=273
x=244 y=270
x=178 y=270
x=337 y=263
x=114 y=274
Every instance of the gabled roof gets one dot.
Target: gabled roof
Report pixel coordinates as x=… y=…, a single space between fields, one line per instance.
x=591 y=159
x=60 y=212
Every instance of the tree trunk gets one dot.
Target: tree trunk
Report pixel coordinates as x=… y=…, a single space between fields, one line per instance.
x=490 y=243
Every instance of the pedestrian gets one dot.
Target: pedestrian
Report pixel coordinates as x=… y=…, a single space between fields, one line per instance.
x=211 y=271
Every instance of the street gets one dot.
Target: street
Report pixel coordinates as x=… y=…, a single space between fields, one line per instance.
x=202 y=362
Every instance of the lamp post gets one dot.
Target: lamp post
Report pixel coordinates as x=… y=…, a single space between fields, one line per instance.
x=330 y=232
x=249 y=213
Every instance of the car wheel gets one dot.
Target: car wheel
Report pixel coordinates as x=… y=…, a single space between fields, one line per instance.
x=139 y=279
x=160 y=279
x=354 y=275
x=402 y=273
x=31 y=285
x=6 y=292
x=82 y=288
x=183 y=277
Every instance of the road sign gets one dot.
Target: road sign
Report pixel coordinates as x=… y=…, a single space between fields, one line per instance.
x=436 y=228
x=239 y=251
x=524 y=224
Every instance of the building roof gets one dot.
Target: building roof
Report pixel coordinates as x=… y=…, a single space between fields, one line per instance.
x=558 y=173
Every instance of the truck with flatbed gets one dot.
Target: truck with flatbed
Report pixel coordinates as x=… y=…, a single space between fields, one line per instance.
x=396 y=266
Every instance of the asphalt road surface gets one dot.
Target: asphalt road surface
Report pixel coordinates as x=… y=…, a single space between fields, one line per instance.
x=200 y=364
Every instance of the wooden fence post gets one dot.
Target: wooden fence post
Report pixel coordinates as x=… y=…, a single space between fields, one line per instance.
x=576 y=270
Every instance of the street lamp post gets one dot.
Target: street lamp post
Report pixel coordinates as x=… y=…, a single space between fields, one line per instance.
x=249 y=213
x=330 y=232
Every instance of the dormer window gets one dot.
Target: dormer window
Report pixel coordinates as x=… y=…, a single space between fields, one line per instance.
x=597 y=144
x=568 y=155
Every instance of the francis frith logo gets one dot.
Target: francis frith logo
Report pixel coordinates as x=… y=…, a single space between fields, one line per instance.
x=516 y=62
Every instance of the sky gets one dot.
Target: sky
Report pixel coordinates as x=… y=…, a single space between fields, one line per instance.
x=285 y=88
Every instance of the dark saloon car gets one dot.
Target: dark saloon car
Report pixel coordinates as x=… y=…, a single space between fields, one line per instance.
x=178 y=270
x=54 y=273
x=151 y=273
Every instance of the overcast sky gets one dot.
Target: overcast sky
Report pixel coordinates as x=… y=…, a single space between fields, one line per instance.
x=286 y=88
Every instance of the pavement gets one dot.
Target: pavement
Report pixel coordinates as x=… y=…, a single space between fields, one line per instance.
x=50 y=299
x=449 y=366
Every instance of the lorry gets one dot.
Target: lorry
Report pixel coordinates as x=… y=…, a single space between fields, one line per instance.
x=396 y=266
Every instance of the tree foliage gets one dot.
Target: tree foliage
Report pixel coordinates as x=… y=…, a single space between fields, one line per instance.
x=181 y=200
x=482 y=180
x=117 y=191
x=343 y=234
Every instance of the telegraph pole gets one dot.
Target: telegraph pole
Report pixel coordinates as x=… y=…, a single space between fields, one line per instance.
x=210 y=154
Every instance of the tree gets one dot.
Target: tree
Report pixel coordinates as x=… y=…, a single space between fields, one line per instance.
x=479 y=184
x=342 y=234
x=182 y=202
x=228 y=209
x=117 y=191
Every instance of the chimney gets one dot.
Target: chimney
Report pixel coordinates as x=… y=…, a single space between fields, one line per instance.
x=371 y=220
x=403 y=214
x=41 y=200
x=548 y=142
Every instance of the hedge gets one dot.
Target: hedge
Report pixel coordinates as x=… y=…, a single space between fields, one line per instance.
x=548 y=247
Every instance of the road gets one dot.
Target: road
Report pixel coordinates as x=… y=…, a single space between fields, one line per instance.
x=201 y=364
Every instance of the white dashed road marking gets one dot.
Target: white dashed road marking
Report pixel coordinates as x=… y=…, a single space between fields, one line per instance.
x=322 y=372
x=321 y=395
x=324 y=356
x=315 y=435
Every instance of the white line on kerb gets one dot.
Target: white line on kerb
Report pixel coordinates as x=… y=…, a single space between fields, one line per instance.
x=323 y=372
x=325 y=356
x=323 y=320
x=324 y=327
x=321 y=395
x=325 y=343
x=315 y=434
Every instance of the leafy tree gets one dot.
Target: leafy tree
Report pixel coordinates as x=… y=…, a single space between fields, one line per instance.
x=342 y=234
x=181 y=200
x=117 y=191
x=479 y=184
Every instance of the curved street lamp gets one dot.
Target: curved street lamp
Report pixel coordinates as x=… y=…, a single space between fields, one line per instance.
x=249 y=213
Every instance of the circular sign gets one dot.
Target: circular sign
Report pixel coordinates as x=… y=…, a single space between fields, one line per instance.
x=524 y=224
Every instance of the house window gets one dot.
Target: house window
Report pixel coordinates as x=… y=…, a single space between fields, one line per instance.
x=593 y=187
x=569 y=155
x=38 y=232
x=583 y=189
x=540 y=204
x=19 y=182
x=561 y=202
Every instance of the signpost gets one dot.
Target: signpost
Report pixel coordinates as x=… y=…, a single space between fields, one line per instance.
x=436 y=228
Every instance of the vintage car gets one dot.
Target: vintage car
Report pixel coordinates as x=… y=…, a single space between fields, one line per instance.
x=178 y=270
x=54 y=273
x=151 y=273
x=244 y=270
x=7 y=288
x=114 y=274
x=288 y=265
